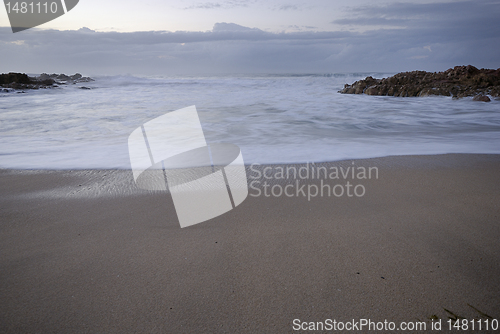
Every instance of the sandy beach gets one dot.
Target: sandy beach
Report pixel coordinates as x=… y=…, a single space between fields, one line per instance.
x=87 y=252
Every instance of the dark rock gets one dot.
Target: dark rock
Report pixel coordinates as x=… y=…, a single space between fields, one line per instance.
x=44 y=76
x=84 y=79
x=482 y=98
x=46 y=82
x=14 y=78
x=20 y=81
x=457 y=82
x=63 y=77
x=75 y=78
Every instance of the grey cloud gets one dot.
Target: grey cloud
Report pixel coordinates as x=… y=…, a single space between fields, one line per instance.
x=444 y=10
x=223 y=26
x=456 y=39
x=371 y=21
x=229 y=48
x=478 y=15
x=221 y=32
x=296 y=27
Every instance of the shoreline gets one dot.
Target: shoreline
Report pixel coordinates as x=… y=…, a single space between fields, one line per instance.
x=109 y=181
x=103 y=257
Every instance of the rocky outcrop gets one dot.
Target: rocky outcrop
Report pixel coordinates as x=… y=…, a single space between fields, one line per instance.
x=13 y=81
x=63 y=78
x=460 y=81
x=7 y=78
x=21 y=81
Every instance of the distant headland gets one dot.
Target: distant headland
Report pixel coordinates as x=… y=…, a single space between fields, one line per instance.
x=21 y=81
x=460 y=81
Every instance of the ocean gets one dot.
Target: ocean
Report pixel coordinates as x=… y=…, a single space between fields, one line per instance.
x=272 y=118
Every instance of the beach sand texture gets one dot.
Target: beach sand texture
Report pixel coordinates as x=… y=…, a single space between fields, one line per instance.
x=85 y=252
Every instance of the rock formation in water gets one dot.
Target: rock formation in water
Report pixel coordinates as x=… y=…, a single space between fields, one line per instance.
x=460 y=81
x=21 y=81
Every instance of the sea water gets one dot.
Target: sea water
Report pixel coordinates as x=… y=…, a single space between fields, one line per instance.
x=272 y=118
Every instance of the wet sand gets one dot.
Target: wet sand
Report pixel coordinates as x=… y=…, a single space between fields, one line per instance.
x=86 y=252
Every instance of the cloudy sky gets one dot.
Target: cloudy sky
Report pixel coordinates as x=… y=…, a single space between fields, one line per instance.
x=154 y=37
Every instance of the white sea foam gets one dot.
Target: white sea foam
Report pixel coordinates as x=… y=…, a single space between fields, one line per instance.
x=274 y=119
